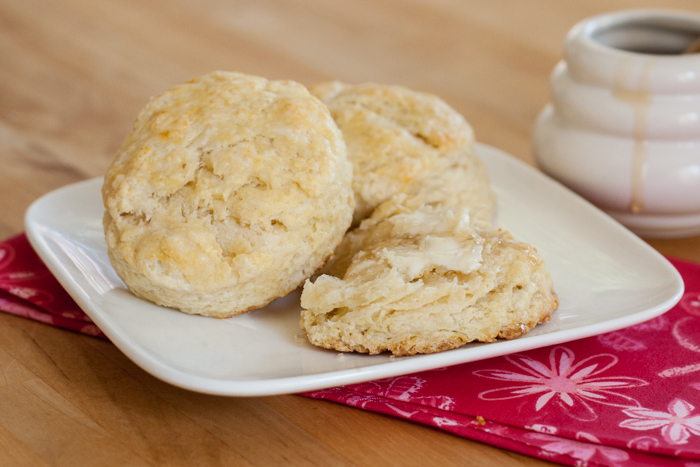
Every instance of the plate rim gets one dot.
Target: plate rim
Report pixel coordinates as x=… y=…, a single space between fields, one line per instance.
x=303 y=383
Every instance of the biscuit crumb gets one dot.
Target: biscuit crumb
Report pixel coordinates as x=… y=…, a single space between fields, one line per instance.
x=300 y=338
x=480 y=420
x=340 y=356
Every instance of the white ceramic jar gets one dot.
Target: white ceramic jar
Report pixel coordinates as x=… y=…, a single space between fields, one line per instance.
x=623 y=127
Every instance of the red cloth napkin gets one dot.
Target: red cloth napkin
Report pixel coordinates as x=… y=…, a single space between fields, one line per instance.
x=626 y=398
x=28 y=289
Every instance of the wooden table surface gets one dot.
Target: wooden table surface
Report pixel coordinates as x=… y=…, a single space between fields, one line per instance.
x=73 y=75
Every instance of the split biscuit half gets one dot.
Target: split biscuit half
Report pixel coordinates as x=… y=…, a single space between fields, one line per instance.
x=416 y=278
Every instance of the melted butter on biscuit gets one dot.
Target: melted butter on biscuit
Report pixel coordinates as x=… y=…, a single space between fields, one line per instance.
x=462 y=256
x=439 y=238
x=429 y=221
x=449 y=253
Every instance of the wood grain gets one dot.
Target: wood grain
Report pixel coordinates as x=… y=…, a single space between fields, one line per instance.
x=73 y=75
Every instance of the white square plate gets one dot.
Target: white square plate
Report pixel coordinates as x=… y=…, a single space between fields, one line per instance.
x=606 y=279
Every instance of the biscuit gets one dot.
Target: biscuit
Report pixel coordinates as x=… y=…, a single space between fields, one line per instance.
x=402 y=141
x=425 y=279
x=229 y=192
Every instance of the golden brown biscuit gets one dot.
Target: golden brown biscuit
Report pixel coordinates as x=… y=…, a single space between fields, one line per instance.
x=402 y=141
x=229 y=192
x=422 y=279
